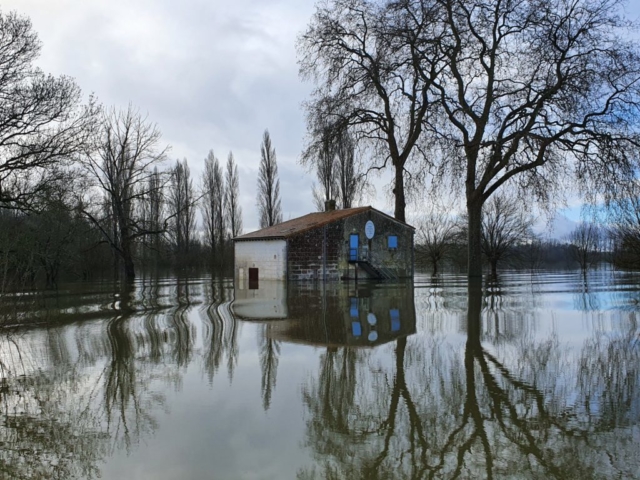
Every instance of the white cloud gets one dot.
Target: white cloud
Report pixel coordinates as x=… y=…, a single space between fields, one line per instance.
x=212 y=74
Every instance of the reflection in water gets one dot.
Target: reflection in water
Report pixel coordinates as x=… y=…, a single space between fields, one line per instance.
x=220 y=330
x=514 y=406
x=327 y=315
x=265 y=303
x=269 y=358
x=331 y=315
x=70 y=401
x=516 y=378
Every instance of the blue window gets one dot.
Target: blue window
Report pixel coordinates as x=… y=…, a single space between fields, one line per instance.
x=392 y=241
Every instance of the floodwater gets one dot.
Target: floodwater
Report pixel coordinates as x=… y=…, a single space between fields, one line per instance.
x=534 y=376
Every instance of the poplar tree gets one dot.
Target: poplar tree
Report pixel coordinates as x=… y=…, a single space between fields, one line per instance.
x=213 y=207
x=182 y=205
x=234 y=210
x=268 y=185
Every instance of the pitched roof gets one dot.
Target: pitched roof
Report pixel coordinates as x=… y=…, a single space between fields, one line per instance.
x=308 y=222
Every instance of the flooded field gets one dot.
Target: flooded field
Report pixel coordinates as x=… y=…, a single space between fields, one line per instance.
x=529 y=377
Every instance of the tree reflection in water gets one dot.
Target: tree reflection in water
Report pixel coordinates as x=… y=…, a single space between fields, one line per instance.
x=482 y=391
x=66 y=403
x=269 y=359
x=331 y=316
x=220 y=329
x=495 y=406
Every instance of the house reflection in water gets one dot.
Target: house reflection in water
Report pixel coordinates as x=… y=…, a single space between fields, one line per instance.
x=264 y=301
x=331 y=315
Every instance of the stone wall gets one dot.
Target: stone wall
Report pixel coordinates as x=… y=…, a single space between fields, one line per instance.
x=305 y=253
x=398 y=261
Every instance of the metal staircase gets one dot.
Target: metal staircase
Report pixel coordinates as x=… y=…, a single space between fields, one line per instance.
x=375 y=272
x=360 y=257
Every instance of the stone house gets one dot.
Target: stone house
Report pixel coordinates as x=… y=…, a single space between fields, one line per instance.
x=356 y=243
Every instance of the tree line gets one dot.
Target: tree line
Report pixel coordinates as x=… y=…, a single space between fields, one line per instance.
x=508 y=239
x=85 y=189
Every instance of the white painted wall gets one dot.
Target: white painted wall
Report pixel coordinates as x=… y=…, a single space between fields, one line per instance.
x=269 y=256
x=267 y=302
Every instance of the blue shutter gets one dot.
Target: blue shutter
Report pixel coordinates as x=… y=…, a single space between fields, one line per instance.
x=356 y=328
x=353 y=311
x=394 y=313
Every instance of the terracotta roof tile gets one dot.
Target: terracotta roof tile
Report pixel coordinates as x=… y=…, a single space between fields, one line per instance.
x=307 y=222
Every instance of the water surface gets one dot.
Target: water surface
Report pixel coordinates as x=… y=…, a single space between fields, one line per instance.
x=533 y=376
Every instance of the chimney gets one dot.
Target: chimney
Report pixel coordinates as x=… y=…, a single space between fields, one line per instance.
x=329 y=205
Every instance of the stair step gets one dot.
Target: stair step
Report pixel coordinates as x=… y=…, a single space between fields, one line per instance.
x=377 y=272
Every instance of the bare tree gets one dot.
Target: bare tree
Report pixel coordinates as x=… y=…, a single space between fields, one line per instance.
x=213 y=202
x=152 y=210
x=43 y=125
x=365 y=58
x=234 y=210
x=505 y=224
x=537 y=94
x=436 y=233
x=585 y=242
x=122 y=168
x=624 y=227
x=181 y=202
x=350 y=181
x=325 y=167
x=318 y=198
x=269 y=207
x=338 y=174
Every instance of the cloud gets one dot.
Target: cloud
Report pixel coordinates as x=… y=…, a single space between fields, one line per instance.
x=211 y=74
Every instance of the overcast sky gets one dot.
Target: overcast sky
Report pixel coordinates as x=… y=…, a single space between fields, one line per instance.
x=212 y=74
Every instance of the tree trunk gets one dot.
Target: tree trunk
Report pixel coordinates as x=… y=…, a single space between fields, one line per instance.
x=494 y=268
x=474 y=316
x=474 y=214
x=401 y=346
x=398 y=191
x=129 y=269
x=473 y=353
x=127 y=260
